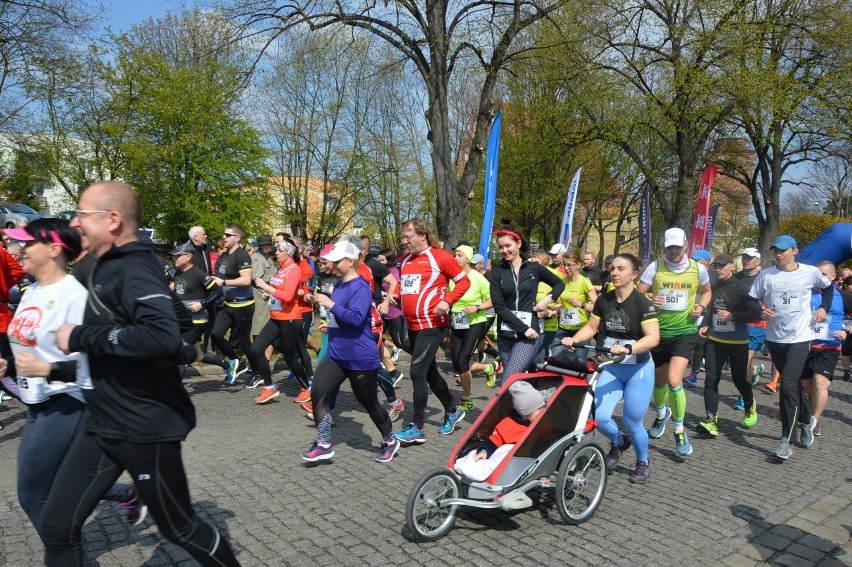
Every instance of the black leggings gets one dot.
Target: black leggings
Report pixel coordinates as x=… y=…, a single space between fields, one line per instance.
x=285 y=335
x=91 y=467
x=330 y=376
x=463 y=342
x=789 y=359
x=238 y=319
x=425 y=375
x=194 y=336
x=716 y=355
x=396 y=328
x=307 y=321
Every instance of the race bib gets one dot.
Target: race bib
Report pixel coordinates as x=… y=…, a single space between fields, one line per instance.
x=274 y=303
x=460 y=321
x=524 y=316
x=674 y=299
x=33 y=390
x=330 y=321
x=323 y=312
x=569 y=317
x=820 y=330
x=722 y=326
x=787 y=299
x=610 y=342
x=410 y=284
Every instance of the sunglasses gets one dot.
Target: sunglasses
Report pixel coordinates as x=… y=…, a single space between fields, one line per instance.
x=228 y=235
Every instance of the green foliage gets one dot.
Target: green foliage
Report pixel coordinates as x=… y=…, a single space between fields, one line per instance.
x=23 y=180
x=804 y=228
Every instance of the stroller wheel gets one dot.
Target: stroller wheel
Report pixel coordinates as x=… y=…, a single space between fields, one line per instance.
x=427 y=518
x=581 y=483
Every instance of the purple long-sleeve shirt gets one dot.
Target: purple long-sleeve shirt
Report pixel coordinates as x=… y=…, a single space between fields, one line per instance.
x=350 y=340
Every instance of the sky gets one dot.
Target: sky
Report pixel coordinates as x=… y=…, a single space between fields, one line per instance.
x=121 y=14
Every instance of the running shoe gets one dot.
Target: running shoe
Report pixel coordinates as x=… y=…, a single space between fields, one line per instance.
x=739 y=404
x=133 y=506
x=308 y=407
x=304 y=396
x=450 y=421
x=847 y=375
x=266 y=395
x=806 y=432
x=411 y=434
x=499 y=369
x=659 y=426
x=291 y=376
x=231 y=371
x=682 y=445
x=750 y=416
x=395 y=409
x=709 y=426
x=772 y=386
x=398 y=377
x=784 y=449
x=818 y=430
x=491 y=373
x=318 y=452
x=755 y=375
x=641 y=472
x=253 y=381
x=690 y=379
x=458 y=378
x=242 y=368
x=615 y=452
x=395 y=354
x=466 y=405
x=388 y=451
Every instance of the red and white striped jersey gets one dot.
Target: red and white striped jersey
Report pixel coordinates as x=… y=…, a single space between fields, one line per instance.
x=423 y=284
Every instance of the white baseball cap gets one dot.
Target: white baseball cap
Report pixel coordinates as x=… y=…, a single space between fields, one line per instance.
x=674 y=237
x=558 y=249
x=343 y=249
x=753 y=252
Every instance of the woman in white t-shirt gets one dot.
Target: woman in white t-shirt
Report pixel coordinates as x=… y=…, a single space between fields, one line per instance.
x=47 y=380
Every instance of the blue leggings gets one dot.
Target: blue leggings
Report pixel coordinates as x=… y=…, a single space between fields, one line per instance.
x=634 y=383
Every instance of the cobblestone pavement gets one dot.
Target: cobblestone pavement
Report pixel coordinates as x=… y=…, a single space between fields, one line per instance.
x=728 y=503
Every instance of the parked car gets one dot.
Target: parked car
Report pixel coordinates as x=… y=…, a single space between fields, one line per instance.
x=10 y=214
x=66 y=215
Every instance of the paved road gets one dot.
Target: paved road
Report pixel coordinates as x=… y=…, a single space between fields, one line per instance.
x=728 y=503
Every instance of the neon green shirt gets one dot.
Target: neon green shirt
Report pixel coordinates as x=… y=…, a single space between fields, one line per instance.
x=572 y=318
x=478 y=293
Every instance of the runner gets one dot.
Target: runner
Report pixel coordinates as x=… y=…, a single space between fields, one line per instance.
x=469 y=326
x=756 y=329
x=424 y=274
x=703 y=257
x=630 y=328
x=393 y=320
x=514 y=284
x=681 y=293
x=725 y=327
x=786 y=290
x=351 y=355
x=48 y=381
x=233 y=275
x=575 y=302
x=138 y=412
x=825 y=349
x=284 y=328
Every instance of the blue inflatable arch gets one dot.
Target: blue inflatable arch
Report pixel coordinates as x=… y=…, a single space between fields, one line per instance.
x=834 y=245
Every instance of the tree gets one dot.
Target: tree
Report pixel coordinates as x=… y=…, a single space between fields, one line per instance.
x=788 y=59
x=805 y=227
x=23 y=181
x=188 y=152
x=438 y=38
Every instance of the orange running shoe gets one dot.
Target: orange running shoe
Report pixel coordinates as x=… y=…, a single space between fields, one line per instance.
x=266 y=395
x=304 y=396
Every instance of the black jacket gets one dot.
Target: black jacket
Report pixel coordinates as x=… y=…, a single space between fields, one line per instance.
x=504 y=292
x=131 y=333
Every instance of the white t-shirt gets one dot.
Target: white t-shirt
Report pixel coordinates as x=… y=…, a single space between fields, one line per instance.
x=789 y=294
x=43 y=309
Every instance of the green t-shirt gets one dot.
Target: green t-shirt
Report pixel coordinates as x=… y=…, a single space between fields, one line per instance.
x=478 y=293
x=573 y=318
x=680 y=291
x=551 y=323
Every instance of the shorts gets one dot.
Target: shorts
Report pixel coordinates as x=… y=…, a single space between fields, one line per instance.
x=820 y=361
x=756 y=338
x=682 y=346
x=846 y=347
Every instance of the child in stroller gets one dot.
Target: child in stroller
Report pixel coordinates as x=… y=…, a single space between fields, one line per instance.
x=479 y=463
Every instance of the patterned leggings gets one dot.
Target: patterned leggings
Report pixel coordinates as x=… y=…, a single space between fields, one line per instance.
x=517 y=354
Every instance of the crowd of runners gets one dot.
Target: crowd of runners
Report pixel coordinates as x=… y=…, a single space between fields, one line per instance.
x=81 y=348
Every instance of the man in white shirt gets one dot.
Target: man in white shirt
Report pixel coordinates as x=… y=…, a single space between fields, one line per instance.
x=786 y=291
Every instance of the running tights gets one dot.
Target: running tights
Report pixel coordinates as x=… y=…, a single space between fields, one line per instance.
x=633 y=383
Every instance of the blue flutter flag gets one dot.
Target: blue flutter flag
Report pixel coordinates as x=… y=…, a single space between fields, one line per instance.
x=492 y=159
